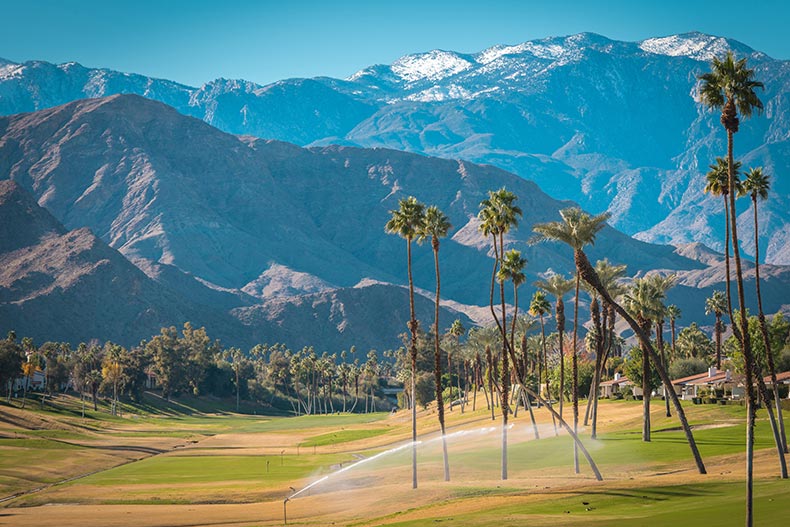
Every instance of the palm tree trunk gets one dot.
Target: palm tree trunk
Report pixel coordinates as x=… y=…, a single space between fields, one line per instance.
x=560 y=308
x=727 y=257
x=437 y=362
x=646 y=388
x=660 y=344
x=746 y=347
x=718 y=340
x=590 y=276
x=505 y=374
x=575 y=375
x=764 y=331
x=413 y=350
x=490 y=360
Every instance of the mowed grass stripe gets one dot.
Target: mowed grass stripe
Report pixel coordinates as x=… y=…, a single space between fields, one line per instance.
x=174 y=470
x=343 y=436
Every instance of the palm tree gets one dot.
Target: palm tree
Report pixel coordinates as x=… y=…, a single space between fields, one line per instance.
x=715 y=305
x=757 y=184
x=577 y=229
x=609 y=275
x=730 y=85
x=483 y=339
x=457 y=331
x=559 y=286
x=673 y=313
x=405 y=222
x=643 y=301
x=539 y=306
x=512 y=269
x=498 y=214
x=718 y=184
x=436 y=225
x=663 y=284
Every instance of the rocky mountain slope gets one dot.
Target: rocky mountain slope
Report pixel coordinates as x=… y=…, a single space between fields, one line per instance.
x=611 y=125
x=70 y=286
x=282 y=242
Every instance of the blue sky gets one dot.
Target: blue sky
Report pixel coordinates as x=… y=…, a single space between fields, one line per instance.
x=263 y=41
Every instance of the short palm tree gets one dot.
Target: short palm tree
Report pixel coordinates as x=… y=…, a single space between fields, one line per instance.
x=579 y=229
x=610 y=275
x=730 y=86
x=558 y=286
x=436 y=225
x=540 y=307
x=716 y=305
x=457 y=331
x=644 y=302
x=663 y=283
x=512 y=269
x=406 y=222
x=756 y=185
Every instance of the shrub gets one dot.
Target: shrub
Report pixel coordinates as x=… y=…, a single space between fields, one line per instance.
x=686 y=367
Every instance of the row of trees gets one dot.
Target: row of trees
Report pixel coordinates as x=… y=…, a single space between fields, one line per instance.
x=189 y=362
x=730 y=86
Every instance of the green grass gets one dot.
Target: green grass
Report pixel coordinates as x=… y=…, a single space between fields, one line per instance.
x=343 y=436
x=713 y=503
x=185 y=469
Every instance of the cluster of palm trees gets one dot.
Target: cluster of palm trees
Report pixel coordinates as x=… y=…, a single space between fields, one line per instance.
x=729 y=86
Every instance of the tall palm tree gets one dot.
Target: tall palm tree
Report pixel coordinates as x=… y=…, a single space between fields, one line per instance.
x=405 y=222
x=558 y=286
x=436 y=225
x=673 y=313
x=643 y=301
x=730 y=85
x=577 y=229
x=718 y=184
x=756 y=185
x=498 y=214
x=715 y=305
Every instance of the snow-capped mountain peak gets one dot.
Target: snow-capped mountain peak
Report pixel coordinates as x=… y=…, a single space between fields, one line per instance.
x=433 y=65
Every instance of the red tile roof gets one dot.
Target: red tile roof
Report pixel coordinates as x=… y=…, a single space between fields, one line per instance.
x=784 y=376
x=684 y=380
x=719 y=377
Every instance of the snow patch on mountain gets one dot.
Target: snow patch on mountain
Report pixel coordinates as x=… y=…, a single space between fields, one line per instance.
x=10 y=70
x=541 y=51
x=696 y=46
x=433 y=66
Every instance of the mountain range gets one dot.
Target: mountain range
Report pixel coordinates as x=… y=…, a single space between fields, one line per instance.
x=608 y=124
x=122 y=215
